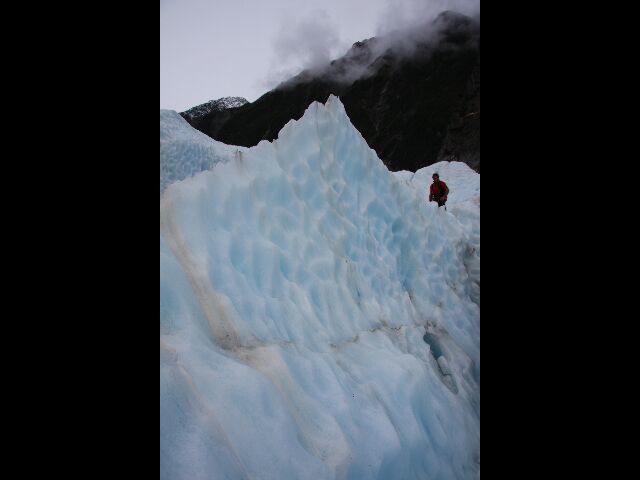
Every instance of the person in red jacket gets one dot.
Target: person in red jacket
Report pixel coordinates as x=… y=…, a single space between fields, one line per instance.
x=438 y=191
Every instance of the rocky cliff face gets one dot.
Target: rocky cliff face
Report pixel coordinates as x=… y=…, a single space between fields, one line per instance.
x=462 y=142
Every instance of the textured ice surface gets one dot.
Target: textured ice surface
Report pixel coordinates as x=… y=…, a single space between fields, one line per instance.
x=185 y=151
x=306 y=294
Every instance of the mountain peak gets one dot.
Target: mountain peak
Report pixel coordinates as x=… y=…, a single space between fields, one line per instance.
x=218 y=105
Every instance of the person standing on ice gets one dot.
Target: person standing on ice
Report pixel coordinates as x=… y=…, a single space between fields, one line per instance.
x=438 y=191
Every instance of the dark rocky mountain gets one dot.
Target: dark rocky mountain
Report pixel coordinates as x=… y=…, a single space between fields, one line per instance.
x=414 y=96
x=462 y=141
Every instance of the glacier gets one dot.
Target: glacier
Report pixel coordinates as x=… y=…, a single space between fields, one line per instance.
x=319 y=319
x=185 y=151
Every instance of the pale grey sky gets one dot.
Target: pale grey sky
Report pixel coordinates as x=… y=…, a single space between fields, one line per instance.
x=219 y=48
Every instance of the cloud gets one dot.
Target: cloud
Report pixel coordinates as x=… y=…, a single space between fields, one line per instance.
x=307 y=43
x=402 y=15
x=404 y=27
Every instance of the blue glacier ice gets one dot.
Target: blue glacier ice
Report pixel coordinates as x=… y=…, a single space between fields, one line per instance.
x=319 y=319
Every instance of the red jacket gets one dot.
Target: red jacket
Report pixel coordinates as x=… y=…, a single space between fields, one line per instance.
x=438 y=190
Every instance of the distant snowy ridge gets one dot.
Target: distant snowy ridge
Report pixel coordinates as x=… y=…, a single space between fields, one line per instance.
x=319 y=319
x=214 y=105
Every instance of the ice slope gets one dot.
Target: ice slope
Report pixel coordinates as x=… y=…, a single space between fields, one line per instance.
x=318 y=319
x=463 y=182
x=463 y=203
x=185 y=151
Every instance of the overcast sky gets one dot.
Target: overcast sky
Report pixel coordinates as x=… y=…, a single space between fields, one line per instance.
x=219 y=48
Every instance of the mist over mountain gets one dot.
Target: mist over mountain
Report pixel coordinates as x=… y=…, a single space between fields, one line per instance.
x=414 y=95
